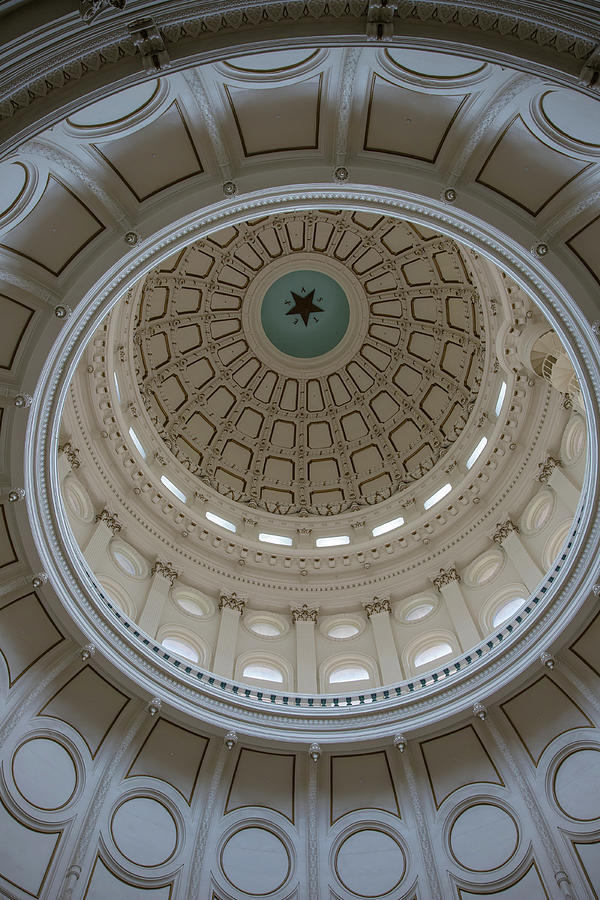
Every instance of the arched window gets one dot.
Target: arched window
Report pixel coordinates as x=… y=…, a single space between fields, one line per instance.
x=507 y=611
x=263 y=672
x=554 y=544
x=182 y=642
x=429 y=651
x=501 y=606
x=263 y=669
x=433 y=652
x=348 y=672
x=181 y=648
x=343 y=674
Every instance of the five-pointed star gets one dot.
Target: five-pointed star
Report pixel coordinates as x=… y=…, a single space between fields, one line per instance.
x=304 y=306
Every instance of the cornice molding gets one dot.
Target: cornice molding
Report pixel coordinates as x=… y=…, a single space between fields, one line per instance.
x=183 y=30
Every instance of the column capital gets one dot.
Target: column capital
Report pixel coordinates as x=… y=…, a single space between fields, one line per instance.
x=503 y=529
x=110 y=520
x=165 y=569
x=72 y=454
x=231 y=601
x=547 y=468
x=304 y=613
x=446 y=576
x=377 y=605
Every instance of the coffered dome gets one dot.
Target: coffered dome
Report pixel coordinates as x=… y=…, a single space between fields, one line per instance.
x=310 y=363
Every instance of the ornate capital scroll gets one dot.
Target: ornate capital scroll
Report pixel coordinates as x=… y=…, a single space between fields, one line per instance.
x=110 y=520
x=503 y=529
x=72 y=454
x=231 y=601
x=547 y=467
x=446 y=576
x=377 y=605
x=165 y=569
x=304 y=614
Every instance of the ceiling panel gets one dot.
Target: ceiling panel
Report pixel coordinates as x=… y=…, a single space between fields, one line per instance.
x=527 y=171
x=273 y=119
x=584 y=245
x=408 y=123
x=56 y=230
x=154 y=157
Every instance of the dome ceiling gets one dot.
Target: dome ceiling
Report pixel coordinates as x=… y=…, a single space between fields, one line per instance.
x=313 y=362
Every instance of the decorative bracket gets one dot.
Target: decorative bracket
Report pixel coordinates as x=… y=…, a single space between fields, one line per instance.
x=148 y=40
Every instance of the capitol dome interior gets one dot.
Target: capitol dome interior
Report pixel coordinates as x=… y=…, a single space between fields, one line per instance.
x=299 y=416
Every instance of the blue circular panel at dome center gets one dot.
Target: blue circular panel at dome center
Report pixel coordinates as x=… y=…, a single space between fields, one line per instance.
x=305 y=314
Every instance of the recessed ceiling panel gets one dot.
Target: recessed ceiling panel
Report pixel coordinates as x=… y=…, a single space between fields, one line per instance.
x=154 y=157
x=585 y=245
x=525 y=170
x=408 y=123
x=58 y=228
x=273 y=119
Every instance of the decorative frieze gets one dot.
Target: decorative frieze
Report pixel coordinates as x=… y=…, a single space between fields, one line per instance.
x=446 y=576
x=110 y=520
x=377 y=605
x=165 y=569
x=503 y=529
x=547 y=468
x=231 y=601
x=72 y=454
x=304 y=614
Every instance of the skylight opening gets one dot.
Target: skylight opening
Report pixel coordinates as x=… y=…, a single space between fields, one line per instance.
x=500 y=400
x=332 y=541
x=275 y=539
x=137 y=443
x=222 y=523
x=439 y=495
x=173 y=488
x=117 y=387
x=387 y=526
x=476 y=452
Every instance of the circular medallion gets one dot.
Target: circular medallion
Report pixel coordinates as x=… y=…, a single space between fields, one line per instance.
x=255 y=861
x=370 y=863
x=305 y=313
x=44 y=773
x=144 y=831
x=483 y=837
x=577 y=785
